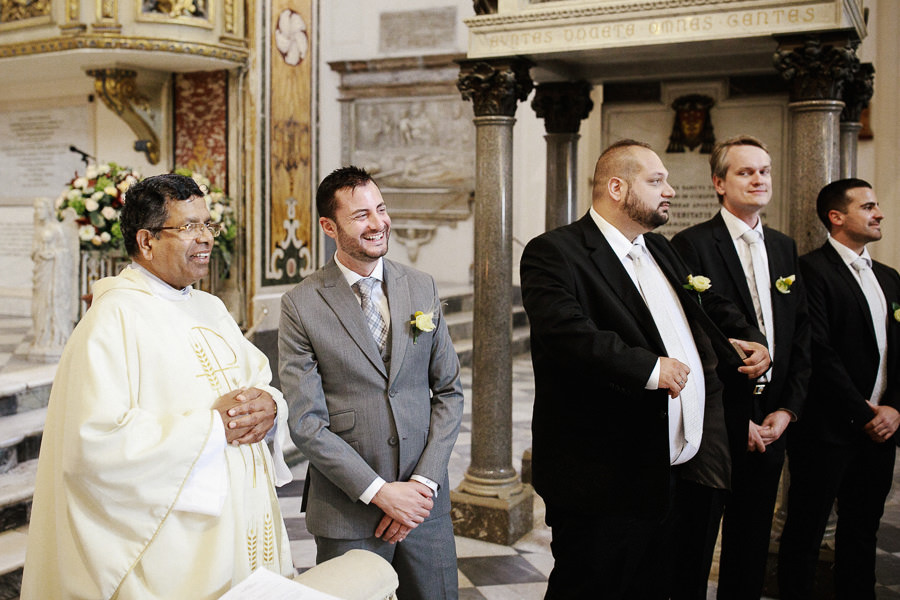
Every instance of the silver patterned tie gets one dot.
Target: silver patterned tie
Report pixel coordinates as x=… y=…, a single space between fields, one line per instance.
x=653 y=288
x=878 y=310
x=370 y=311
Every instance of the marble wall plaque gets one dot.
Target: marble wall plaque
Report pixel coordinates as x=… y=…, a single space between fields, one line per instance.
x=35 y=159
x=16 y=232
x=689 y=172
x=407 y=30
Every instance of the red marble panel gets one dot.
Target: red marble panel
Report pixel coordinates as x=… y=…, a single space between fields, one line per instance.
x=201 y=124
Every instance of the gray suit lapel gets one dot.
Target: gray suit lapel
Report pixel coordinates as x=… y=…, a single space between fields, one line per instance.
x=401 y=308
x=341 y=299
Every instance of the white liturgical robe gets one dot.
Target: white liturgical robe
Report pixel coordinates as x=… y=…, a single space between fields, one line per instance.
x=130 y=426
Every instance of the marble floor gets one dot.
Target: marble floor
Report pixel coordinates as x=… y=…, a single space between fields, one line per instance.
x=491 y=571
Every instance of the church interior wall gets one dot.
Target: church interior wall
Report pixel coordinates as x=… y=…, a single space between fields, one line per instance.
x=342 y=43
x=879 y=157
x=347 y=30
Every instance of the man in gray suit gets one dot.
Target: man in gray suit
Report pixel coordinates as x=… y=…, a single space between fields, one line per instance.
x=372 y=383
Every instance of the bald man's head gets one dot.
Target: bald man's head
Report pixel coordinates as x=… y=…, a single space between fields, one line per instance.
x=619 y=160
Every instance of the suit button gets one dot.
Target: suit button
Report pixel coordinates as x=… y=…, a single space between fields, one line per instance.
x=663 y=414
x=392 y=441
x=393 y=393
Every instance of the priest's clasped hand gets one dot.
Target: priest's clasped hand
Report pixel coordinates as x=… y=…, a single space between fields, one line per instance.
x=248 y=415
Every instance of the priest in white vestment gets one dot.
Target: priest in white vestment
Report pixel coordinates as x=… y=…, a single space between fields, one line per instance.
x=155 y=480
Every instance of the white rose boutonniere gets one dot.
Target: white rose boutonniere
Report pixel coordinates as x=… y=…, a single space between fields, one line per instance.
x=698 y=283
x=783 y=284
x=896 y=308
x=421 y=322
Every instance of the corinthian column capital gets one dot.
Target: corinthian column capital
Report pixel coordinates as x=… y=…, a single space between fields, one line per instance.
x=495 y=86
x=814 y=67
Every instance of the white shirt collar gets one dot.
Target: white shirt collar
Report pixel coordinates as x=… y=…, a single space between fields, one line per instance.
x=160 y=288
x=847 y=255
x=619 y=243
x=736 y=227
x=352 y=276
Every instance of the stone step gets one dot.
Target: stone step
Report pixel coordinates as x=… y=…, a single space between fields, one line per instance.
x=12 y=560
x=24 y=389
x=20 y=437
x=12 y=549
x=16 y=491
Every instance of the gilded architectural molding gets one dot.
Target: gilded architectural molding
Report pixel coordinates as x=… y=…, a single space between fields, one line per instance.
x=118 y=90
x=235 y=55
x=563 y=105
x=558 y=14
x=495 y=87
x=22 y=10
x=72 y=24
x=228 y=10
x=107 y=17
x=814 y=68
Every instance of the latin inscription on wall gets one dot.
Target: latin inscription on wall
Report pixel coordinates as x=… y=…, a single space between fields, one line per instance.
x=548 y=35
x=35 y=159
x=417 y=29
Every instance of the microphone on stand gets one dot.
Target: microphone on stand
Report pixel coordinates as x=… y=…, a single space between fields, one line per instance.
x=84 y=155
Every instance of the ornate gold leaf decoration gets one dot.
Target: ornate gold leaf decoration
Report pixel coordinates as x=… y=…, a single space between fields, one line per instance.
x=252 y=544
x=238 y=56
x=19 y=10
x=206 y=365
x=268 y=541
x=118 y=90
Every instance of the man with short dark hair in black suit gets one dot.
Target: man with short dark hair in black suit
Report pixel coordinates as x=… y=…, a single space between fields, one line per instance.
x=757 y=268
x=844 y=446
x=627 y=419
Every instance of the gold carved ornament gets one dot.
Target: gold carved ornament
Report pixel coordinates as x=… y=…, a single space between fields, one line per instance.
x=118 y=90
x=18 y=10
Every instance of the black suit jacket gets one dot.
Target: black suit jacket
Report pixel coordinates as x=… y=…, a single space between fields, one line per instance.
x=844 y=350
x=600 y=440
x=709 y=250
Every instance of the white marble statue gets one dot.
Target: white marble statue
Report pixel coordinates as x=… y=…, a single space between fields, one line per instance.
x=54 y=300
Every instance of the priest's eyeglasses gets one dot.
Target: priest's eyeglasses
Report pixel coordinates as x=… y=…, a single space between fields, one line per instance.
x=195 y=230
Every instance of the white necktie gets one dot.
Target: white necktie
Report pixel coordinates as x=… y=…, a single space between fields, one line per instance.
x=878 y=311
x=658 y=300
x=370 y=310
x=761 y=292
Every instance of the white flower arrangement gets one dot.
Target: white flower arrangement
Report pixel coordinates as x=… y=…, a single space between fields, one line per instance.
x=97 y=198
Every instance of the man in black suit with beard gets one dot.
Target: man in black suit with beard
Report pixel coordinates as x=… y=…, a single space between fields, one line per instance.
x=628 y=422
x=757 y=268
x=844 y=446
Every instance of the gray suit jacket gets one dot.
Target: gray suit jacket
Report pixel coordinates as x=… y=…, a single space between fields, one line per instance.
x=352 y=415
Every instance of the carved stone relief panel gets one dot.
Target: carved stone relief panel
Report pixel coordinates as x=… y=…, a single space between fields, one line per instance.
x=421 y=152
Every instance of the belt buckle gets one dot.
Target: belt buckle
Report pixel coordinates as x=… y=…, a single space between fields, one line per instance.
x=758 y=389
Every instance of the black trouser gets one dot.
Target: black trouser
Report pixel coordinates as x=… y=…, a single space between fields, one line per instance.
x=859 y=476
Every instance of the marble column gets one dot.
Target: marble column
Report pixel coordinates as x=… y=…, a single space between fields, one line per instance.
x=492 y=503
x=857 y=92
x=816 y=69
x=562 y=105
